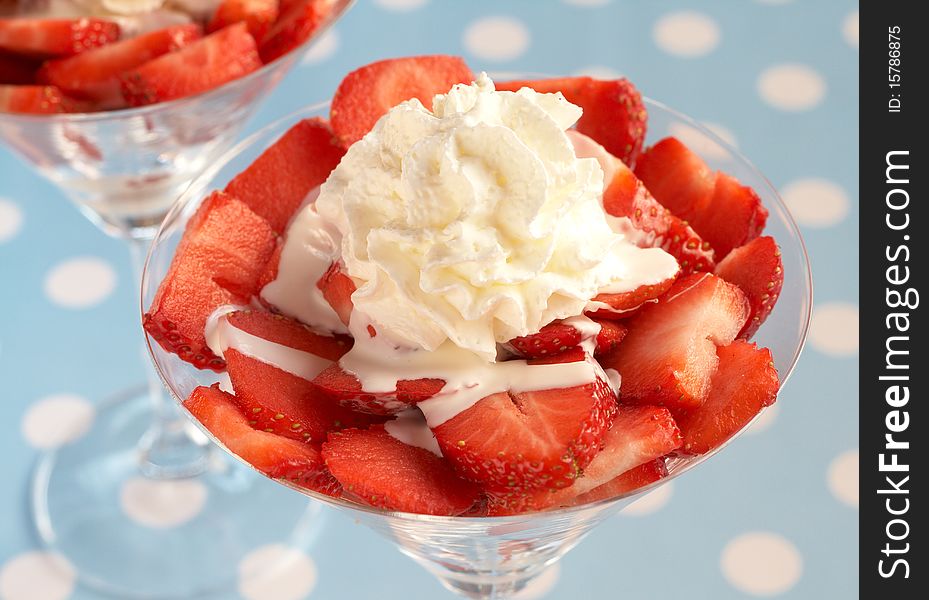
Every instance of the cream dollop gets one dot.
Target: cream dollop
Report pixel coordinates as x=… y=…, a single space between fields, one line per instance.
x=475 y=222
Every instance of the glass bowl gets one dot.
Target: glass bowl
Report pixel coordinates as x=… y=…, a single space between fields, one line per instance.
x=494 y=557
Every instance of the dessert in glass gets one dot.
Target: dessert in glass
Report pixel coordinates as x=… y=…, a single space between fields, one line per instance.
x=121 y=103
x=483 y=319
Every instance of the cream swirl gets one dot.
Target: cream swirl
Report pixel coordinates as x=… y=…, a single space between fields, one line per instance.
x=474 y=222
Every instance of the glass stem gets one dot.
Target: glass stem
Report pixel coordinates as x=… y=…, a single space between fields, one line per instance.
x=172 y=448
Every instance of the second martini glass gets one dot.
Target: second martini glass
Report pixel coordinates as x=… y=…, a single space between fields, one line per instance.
x=142 y=505
x=496 y=557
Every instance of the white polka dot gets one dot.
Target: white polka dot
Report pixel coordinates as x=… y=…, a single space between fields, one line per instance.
x=80 y=282
x=11 y=220
x=496 y=38
x=599 y=72
x=700 y=143
x=322 y=48
x=162 y=504
x=651 y=502
x=843 y=477
x=764 y=421
x=276 y=572
x=37 y=576
x=686 y=33
x=56 y=420
x=541 y=586
x=834 y=328
x=587 y=3
x=401 y=5
x=816 y=202
x=791 y=87
x=761 y=563
x=850 y=29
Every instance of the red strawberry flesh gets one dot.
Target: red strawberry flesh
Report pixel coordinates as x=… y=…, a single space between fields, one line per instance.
x=273 y=455
x=343 y=387
x=745 y=382
x=337 y=288
x=669 y=355
x=258 y=15
x=386 y=473
x=368 y=93
x=298 y=22
x=758 y=270
x=55 y=37
x=34 y=99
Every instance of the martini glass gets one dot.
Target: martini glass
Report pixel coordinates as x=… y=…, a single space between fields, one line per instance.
x=496 y=557
x=143 y=505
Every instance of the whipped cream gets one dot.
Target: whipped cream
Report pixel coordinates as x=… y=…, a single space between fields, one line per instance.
x=475 y=222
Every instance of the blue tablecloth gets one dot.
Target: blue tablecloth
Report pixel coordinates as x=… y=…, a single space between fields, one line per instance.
x=776 y=514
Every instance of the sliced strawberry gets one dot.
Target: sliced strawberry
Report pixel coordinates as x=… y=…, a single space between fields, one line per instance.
x=218 y=261
x=34 y=99
x=258 y=15
x=745 y=382
x=629 y=481
x=203 y=65
x=611 y=334
x=277 y=183
x=614 y=114
x=758 y=270
x=677 y=178
x=624 y=304
x=337 y=288
x=269 y=273
x=669 y=355
x=291 y=333
x=55 y=37
x=368 y=93
x=639 y=434
x=626 y=196
x=554 y=338
x=299 y=20
x=529 y=440
x=280 y=402
x=95 y=74
x=273 y=455
x=343 y=387
x=386 y=473
x=17 y=70
x=734 y=216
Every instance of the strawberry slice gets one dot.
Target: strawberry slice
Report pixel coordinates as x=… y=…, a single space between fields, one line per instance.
x=758 y=270
x=95 y=74
x=203 y=65
x=554 y=338
x=291 y=333
x=614 y=114
x=734 y=216
x=368 y=93
x=745 y=382
x=55 y=37
x=337 y=288
x=343 y=387
x=625 y=304
x=273 y=455
x=386 y=473
x=17 y=70
x=626 y=196
x=280 y=402
x=258 y=15
x=669 y=355
x=34 y=99
x=639 y=434
x=529 y=440
x=611 y=334
x=677 y=178
x=277 y=183
x=629 y=481
x=298 y=21
x=218 y=261
x=269 y=273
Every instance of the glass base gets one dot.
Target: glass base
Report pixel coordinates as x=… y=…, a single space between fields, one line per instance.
x=137 y=537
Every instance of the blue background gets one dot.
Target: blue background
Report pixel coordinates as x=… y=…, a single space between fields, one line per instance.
x=775 y=480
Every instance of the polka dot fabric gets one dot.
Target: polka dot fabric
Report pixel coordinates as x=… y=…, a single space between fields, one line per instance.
x=730 y=529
